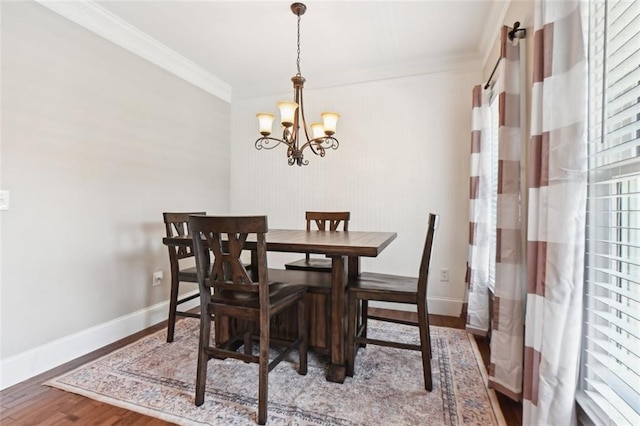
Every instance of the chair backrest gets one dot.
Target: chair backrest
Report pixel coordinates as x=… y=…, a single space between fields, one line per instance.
x=328 y=221
x=423 y=277
x=177 y=225
x=225 y=236
x=322 y=219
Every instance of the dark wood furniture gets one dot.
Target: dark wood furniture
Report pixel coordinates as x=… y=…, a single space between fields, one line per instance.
x=392 y=288
x=177 y=225
x=324 y=221
x=226 y=289
x=345 y=249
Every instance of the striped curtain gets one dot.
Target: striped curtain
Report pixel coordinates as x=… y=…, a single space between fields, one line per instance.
x=479 y=216
x=507 y=328
x=557 y=166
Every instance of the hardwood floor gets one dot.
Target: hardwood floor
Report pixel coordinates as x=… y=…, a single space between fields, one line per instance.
x=31 y=403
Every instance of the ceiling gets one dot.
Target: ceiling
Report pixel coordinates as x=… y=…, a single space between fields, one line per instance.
x=251 y=45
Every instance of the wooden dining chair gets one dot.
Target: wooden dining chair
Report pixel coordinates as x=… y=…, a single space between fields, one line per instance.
x=226 y=289
x=392 y=288
x=177 y=224
x=324 y=221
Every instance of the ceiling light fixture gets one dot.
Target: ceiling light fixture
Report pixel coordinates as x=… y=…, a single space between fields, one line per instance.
x=292 y=119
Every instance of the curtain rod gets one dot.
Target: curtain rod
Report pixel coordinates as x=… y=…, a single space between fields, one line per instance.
x=514 y=35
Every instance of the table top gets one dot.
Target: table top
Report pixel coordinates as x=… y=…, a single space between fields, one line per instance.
x=340 y=243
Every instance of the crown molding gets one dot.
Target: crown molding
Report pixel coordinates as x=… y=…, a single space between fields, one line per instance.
x=100 y=21
x=463 y=63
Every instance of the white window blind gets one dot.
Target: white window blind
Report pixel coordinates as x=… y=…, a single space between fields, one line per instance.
x=610 y=378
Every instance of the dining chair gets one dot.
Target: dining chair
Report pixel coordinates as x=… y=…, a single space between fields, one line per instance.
x=324 y=221
x=177 y=225
x=392 y=288
x=227 y=289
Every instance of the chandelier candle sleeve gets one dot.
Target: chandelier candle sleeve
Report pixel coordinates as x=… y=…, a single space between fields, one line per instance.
x=330 y=120
x=295 y=133
x=318 y=130
x=265 y=120
x=287 y=112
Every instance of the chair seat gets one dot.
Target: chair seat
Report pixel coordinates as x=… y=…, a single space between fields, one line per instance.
x=390 y=288
x=188 y=275
x=279 y=293
x=317 y=282
x=314 y=264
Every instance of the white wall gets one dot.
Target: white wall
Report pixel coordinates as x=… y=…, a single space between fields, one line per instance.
x=404 y=152
x=96 y=144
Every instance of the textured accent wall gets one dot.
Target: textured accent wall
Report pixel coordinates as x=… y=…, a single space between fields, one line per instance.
x=404 y=151
x=96 y=144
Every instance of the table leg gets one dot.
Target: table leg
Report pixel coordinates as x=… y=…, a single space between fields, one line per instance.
x=354 y=266
x=337 y=369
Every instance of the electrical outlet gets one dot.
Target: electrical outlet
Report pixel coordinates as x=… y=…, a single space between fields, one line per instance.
x=158 y=276
x=444 y=275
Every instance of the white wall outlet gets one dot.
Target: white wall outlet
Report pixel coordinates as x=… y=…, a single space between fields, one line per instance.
x=4 y=200
x=158 y=276
x=444 y=275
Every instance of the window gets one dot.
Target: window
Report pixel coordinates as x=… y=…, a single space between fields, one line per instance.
x=610 y=375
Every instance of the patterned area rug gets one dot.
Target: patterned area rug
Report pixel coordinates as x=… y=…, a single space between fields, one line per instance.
x=157 y=378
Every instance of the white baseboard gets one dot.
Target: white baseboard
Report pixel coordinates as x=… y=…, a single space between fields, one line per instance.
x=35 y=361
x=437 y=306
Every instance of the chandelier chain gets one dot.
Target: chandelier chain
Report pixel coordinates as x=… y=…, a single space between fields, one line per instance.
x=298 y=60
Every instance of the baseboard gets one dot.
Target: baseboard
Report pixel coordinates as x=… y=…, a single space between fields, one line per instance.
x=35 y=361
x=437 y=306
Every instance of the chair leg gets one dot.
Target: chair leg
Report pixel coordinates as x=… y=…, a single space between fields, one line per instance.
x=203 y=359
x=248 y=345
x=263 y=374
x=425 y=346
x=173 y=307
x=351 y=332
x=364 y=319
x=429 y=335
x=302 y=334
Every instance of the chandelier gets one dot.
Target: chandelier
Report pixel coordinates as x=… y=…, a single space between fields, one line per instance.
x=294 y=124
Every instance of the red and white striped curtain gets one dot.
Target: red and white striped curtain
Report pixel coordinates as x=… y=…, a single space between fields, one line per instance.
x=507 y=328
x=557 y=167
x=479 y=215
x=507 y=334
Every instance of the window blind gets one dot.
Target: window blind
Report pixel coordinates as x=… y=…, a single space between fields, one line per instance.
x=610 y=378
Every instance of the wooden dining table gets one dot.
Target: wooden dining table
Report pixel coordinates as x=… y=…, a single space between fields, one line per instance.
x=345 y=248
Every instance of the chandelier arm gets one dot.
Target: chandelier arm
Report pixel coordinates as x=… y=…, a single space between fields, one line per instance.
x=264 y=142
x=304 y=119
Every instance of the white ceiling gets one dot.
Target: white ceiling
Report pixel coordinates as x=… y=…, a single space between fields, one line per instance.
x=251 y=45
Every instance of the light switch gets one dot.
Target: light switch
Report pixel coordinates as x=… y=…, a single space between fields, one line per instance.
x=4 y=200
